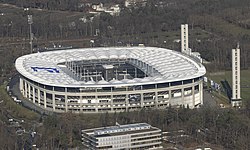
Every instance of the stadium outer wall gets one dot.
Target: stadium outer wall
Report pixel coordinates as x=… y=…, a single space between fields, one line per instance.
x=188 y=93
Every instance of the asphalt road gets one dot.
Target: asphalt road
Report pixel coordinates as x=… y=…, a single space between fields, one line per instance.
x=209 y=100
x=14 y=89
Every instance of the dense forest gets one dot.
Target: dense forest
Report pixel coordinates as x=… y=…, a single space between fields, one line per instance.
x=222 y=127
x=215 y=28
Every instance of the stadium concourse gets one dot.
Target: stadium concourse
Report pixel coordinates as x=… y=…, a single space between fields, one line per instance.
x=109 y=79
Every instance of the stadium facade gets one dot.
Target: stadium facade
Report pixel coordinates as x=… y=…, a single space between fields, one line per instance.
x=92 y=80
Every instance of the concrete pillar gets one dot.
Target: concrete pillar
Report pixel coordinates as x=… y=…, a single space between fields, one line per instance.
x=193 y=97
x=29 y=91
x=156 y=99
x=142 y=100
x=156 y=96
x=25 y=89
x=201 y=92
x=45 y=99
x=106 y=75
x=182 y=96
x=53 y=100
x=66 y=103
x=126 y=102
x=96 y=103
x=170 y=97
x=34 y=95
x=21 y=85
x=81 y=104
x=111 y=102
x=38 y=96
x=135 y=72
x=66 y=100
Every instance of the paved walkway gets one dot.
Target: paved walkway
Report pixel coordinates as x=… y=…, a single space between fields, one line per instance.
x=209 y=100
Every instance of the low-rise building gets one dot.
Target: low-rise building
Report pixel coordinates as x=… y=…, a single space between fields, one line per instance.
x=113 y=10
x=135 y=3
x=130 y=136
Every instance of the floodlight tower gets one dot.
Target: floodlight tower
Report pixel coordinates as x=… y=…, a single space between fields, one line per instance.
x=184 y=40
x=30 y=22
x=236 y=99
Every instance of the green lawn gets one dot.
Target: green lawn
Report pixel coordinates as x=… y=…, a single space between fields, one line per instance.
x=227 y=75
x=14 y=109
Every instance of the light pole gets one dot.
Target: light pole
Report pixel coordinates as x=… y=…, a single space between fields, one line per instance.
x=165 y=44
x=30 y=22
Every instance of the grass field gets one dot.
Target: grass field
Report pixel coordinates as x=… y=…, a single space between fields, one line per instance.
x=227 y=75
x=17 y=111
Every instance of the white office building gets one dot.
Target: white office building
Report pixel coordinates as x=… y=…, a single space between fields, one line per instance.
x=130 y=136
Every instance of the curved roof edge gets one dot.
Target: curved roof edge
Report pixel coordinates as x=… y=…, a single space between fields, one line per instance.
x=20 y=65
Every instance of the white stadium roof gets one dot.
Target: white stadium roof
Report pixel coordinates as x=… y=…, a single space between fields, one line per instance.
x=44 y=67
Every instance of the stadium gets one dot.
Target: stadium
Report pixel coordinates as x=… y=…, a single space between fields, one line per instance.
x=109 y=79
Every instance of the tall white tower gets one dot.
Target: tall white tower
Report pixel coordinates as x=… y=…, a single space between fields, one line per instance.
x=236 y=76
x=184 y=39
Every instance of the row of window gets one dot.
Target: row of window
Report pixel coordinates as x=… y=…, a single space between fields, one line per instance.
x=109 y=89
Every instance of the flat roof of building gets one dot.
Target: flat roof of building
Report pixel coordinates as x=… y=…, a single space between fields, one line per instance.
x=171 y=65
x=119 y=130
